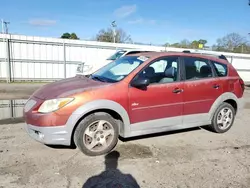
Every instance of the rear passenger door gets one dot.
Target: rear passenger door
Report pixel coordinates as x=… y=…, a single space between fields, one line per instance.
x=201 y=88
x=221 y=71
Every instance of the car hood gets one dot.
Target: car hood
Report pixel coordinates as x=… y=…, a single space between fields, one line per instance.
x=67 y=87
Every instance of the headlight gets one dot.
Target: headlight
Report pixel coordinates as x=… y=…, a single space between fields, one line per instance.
x=54 y=104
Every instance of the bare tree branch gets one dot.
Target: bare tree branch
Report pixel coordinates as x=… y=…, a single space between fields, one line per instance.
x=107 y=36
x=230 y=42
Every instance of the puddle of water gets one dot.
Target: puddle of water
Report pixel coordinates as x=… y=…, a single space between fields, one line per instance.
x=10 y=109
x=134 y=151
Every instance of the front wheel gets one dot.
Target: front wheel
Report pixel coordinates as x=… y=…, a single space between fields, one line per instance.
x=223 y=118
x=96 y=134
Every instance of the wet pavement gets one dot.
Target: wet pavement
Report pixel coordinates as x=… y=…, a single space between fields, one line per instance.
x=11 y=110
x=18 y=90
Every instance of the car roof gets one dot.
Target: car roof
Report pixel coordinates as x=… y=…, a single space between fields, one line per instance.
x=138 y=49
x=197 y=55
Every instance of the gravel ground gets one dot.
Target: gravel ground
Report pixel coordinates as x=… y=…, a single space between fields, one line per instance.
x=194 y=158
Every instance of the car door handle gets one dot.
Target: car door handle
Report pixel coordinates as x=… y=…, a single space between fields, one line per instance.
x=216 y=86
x=177 y=90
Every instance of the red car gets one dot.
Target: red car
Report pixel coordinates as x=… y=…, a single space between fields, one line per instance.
x=137 y=94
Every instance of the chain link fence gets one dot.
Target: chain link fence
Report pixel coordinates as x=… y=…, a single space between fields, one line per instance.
x=26 y=58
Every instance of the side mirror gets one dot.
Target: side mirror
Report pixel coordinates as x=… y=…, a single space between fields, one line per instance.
x=140 y=82
x=83 y=69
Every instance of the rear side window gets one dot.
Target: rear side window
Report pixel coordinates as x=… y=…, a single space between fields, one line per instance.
x=197 y=68
x=221 y=69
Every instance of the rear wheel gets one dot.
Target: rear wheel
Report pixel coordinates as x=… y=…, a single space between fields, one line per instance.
x=223 y=118
x=97 y=134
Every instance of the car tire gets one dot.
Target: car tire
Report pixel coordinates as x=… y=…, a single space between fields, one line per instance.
x=223 y=118
x=99 y=130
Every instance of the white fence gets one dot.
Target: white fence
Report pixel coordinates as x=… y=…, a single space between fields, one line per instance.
x=39 y=58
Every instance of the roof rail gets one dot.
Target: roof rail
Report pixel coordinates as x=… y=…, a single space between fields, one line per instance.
x=209 y=54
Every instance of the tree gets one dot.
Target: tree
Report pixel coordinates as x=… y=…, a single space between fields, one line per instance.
x=184 y=43
x=73 y=36
x=202 y=41
x=176 y=45
x=65 y=36
x=107 y=36
x=230 y=42
x=194 y=44
x=69 y=36
x=244 y=48
x=187 y=44
x=167 y=44
x=122 y=36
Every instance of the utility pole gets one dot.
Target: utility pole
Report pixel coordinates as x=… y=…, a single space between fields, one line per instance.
x=6 y=31
x=2 y=26
x=114 y=31
x=5 y=26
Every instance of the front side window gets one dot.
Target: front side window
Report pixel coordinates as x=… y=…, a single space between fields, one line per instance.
x=196 y=68
x=159 y=66
x=164 y=70
x=118 y=69
x=221 y=69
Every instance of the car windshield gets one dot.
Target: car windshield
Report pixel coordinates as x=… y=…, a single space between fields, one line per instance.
x=118 y=69
x=116 y=55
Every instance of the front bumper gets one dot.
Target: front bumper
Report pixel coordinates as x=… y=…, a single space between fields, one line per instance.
x=58 y=135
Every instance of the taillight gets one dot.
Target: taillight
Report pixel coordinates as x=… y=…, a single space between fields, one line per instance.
x=242 y=84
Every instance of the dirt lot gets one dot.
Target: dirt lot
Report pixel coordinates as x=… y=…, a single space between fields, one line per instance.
x=193 y=158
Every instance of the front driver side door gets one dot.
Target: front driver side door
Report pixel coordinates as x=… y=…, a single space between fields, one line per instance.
x=161 y=103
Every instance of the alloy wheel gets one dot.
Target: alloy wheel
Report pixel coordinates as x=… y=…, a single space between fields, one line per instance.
x=225 y=118
x=98 y=135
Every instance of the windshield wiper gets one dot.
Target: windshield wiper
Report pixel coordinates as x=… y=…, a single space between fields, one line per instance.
x=98 y=78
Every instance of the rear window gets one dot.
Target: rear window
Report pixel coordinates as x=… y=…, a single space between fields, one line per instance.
x=116 y=55
x=221 y=69
x=136 y=52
